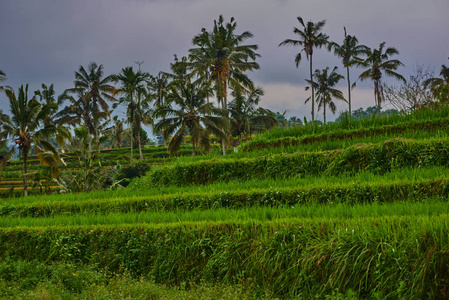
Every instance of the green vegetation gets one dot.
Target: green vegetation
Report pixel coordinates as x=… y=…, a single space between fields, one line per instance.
x=355 y=209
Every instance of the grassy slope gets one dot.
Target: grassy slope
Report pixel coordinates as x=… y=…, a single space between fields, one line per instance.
x=378 y=233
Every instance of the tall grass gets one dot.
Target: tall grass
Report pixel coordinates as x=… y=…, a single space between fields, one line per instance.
x=329 y=211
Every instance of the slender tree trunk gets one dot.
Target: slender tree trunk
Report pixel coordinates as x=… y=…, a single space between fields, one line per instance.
x=349 y=92
x=225 y=106
x=377 y=96
x=313 y=92
x=24 y=175
x=193 y=146
x=324 y=113
x=139 y=143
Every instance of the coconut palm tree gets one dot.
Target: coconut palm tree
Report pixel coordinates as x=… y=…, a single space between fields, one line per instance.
x=221 y=58
x=376 y=62
x=189 y=112
x=245 y=117
x=26 y=127
x=95 y=89
x=136 y=99
x=310 y=37
x=47 y=97
x=324 y=84
x=440 y=86
x=349 y=52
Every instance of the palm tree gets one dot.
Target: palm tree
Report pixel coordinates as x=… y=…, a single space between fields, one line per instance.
x=440 y=86
x=324 y=84
x=246 y=118
x=91 y=85
x=137 y=100
x=47 y=97
x=190 y=113
x=309 y=38
x=376 y=62
x=221 y=57
x=25 y=126
x=348 y=51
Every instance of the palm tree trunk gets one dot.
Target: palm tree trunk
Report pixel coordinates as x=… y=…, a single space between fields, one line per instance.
x=139 y=143
x=324 y=113
x=313 y=92
x=193 y=146
x=225 y=106
x=24 y=175
x=377 y=96
x=349 y=92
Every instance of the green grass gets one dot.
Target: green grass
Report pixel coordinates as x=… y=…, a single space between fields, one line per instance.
x=338 y=211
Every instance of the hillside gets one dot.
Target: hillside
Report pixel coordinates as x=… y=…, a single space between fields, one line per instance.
x=343 y=211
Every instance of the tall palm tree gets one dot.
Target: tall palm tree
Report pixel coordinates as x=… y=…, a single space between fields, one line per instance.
x=95 y=89
x=245 y=117
x=137 y=101
x=26 y=127
x=349 y=52
x=310 y=37
x=440 y=86
x=324 y=84
x=189 y=112
x=221 y=58
x=376 y=62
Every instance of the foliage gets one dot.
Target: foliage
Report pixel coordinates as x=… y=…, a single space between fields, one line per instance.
x=324 y=85
x=126 y=174
x=376 y=62
x=310 y=37
x=349 y=52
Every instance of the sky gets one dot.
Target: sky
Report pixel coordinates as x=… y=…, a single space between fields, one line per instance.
x=46 y=41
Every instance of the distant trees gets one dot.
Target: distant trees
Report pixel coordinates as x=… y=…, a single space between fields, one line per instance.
x=377 y=63
x=188 y=111
x=246 y=118
x=440 y=86
x=25 y=125
x=413 y=94
x=89 y=98
x=309 y=37
x=136 y=99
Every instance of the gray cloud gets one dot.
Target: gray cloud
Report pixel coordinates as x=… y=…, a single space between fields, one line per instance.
x=45 y=41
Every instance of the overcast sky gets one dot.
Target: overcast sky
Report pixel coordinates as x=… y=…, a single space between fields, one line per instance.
x=45 y=41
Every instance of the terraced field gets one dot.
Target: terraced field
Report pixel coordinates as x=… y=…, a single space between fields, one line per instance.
x=315 y=213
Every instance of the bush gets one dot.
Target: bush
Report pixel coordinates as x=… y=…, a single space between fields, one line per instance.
x=130 y=172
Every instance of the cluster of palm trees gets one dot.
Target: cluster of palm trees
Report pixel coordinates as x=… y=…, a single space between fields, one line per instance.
x=177 y=104
x=376 y=62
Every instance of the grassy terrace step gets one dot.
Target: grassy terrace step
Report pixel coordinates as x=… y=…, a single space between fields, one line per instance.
x=340 y=211
x=405 y=184
x=421 y=116
x=381 y=158
x=332 y=140
x=400 y=257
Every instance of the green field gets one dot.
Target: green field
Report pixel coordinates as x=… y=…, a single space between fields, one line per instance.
x=343 y=211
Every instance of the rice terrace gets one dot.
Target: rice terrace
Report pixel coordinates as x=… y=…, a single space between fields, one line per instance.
x=188 y=184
